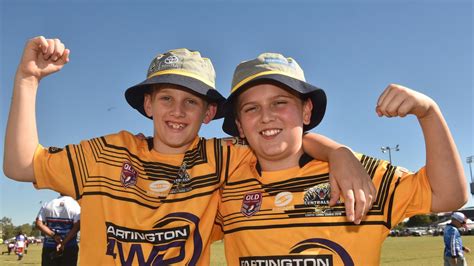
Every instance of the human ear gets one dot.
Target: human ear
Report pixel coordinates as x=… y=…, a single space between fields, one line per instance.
x=239 y=127
x=210 y=113
x=147 y=105
x=307 y=110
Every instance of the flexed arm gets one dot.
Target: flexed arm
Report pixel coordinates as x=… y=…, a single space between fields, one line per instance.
x=41 y=57
x=443 y=164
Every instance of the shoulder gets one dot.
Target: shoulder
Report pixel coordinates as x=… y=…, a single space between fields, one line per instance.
x=233 y=142
x=123 y=139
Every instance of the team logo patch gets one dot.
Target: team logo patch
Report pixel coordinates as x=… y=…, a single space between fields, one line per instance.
x=54 y=149
x=128 y=176
x=318 y=197
x=182 y=183
x=251 y=203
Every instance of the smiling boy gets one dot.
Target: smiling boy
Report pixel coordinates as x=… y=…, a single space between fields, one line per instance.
x=143 y=202
x=275 y=210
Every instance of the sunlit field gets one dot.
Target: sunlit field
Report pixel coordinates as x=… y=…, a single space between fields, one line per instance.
x=399 y=251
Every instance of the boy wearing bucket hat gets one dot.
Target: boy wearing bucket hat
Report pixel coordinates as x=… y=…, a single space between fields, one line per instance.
x=453 y=247
x=150 y=201
x=275 y=210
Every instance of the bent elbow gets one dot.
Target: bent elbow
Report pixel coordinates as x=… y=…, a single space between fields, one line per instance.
x=18 y=173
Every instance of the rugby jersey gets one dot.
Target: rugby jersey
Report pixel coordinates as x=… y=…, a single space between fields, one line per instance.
x=140 y=207
x=283 y=217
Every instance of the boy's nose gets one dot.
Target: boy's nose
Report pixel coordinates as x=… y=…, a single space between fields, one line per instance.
x=177 y=110
x=267 y=115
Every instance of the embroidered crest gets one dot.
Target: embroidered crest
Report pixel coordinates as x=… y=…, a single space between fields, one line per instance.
x=182 y=181
x=251 y=203
x=318 y=197
x=128 y=176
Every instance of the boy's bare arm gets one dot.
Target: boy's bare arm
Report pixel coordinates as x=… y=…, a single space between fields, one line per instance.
x=347 y=175
x=443 y=164
x=41 y=57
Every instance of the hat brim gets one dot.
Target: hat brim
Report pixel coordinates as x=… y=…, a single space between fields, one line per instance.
x=306 y=90
x=135 y=95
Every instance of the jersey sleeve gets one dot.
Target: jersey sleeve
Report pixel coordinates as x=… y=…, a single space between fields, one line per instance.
x=218 y=228
x=412 y=194
x=40 y=215
x=65 y=170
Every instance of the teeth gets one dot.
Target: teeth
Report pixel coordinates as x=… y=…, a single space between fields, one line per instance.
x=270 y=132
x=175 y=125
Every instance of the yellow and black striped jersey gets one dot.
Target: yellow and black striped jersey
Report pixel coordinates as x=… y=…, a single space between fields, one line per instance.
x=140 y=207
x=283 y=217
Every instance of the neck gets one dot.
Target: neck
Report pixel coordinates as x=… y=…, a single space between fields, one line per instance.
x=276 y=164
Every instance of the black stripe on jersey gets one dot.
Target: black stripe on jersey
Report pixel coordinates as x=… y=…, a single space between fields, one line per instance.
x=73 y=172
x=195 y=195
x=390 y=204
x=227 y=165
x=370 y=164
x=126 y=199
x=114 y=156
x=383 y=191
x=292 y=225
x=235 y=190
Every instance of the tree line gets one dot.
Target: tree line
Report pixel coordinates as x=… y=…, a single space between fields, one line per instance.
x=9 y=230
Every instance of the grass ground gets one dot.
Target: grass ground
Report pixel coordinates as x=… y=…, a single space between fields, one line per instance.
x=397 y=251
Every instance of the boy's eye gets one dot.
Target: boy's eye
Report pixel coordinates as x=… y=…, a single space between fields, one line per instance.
x=192 y=101
x=165 y=98
x=250 y=109
x=281 y=102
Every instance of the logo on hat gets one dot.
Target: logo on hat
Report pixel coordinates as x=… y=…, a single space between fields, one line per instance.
x=251 y=203
x=128 y=176
x=171 y=59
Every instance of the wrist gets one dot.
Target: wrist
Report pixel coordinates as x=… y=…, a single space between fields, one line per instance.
x=27 y=80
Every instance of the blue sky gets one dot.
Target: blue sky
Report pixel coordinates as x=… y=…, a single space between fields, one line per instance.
x=352 y=49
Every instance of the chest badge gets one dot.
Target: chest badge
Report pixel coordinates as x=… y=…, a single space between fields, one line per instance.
x=128 y=176
x=251 y=203
x=182 y=182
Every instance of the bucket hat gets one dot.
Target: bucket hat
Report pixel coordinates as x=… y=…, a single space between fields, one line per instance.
x=181 y=67
x=273 y=67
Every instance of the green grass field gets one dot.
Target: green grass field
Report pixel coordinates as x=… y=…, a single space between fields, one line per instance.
x=397 y=251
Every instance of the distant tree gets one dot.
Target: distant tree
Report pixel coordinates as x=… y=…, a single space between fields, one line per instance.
x=419 y=220
x=34 y=230
x=8 y=227
x=24 y=228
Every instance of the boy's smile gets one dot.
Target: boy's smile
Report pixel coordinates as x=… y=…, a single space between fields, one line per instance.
x=177 y=117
